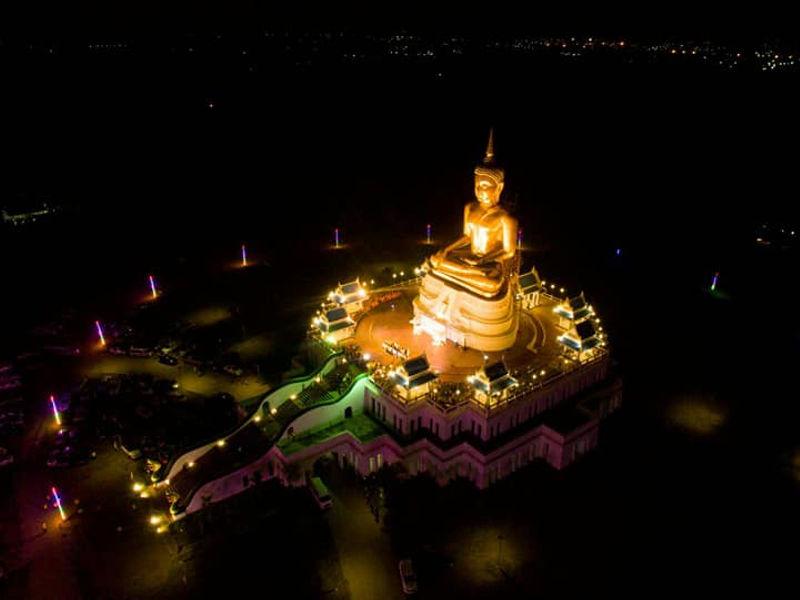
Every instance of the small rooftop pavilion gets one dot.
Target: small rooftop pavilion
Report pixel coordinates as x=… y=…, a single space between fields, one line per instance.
x=493 y=382
x=530 y=285
x=412 y=379
x=572 y=311
x=349 y=295
x=335 y=324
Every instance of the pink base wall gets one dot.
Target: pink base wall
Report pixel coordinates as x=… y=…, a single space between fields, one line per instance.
x=462 y=460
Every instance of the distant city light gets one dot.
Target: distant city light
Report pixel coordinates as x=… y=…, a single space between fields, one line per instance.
x=58 y=503
x=100 y=333
x=619 y=252
x=152 y=286
x=244 y=255
x=519 y=238
x=336 y=237
x=714 y=281
x=428 y=232
x=55 y=410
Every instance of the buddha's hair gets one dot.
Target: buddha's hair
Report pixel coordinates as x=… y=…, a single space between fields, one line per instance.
x=492 y=171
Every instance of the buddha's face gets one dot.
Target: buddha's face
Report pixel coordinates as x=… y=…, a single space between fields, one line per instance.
x=487 y=190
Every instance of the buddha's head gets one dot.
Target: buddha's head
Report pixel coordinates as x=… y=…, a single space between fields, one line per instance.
x=488 y=185
x=489 y=178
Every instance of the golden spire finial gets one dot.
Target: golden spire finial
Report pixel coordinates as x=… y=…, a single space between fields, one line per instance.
x=489 y=157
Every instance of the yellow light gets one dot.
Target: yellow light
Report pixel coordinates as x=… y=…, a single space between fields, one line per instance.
x=161 y=529
x=220 y=443
x=541 y=372
x=372 y=282
x=402 y=273
x=190 y=464
x=144 y=494
x=273 y=410
x=155 y=519
x=138 y=487
x=257 y=419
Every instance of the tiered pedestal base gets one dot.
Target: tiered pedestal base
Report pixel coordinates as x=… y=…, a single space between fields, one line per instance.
x=447 y=313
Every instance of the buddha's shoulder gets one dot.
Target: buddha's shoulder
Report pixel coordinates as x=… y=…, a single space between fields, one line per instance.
x=472 y=206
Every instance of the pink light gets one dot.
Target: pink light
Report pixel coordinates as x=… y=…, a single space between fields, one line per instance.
x=244 y=255
x=55 y=410
x=428 y=232
x=58 y=503
x=100 y=332
x=519 y=238
x=153 y=286
x=336 y=236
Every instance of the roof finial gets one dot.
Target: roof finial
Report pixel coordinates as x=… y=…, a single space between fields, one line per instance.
x=489 y=157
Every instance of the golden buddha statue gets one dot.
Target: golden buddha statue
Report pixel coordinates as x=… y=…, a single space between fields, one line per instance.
x=467 y=294
x=480 y=260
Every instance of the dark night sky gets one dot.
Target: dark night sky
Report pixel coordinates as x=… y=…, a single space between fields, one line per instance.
x=719 y=21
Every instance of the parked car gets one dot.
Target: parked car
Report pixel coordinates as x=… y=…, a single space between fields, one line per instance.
x=6 y=458
x=166 y=359
x=320 y=493
x=408 y=578
x=132 y=453
x=60 y=457
x=233 y=370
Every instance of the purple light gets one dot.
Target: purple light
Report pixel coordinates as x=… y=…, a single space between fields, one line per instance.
x=428 y=232
x=244 y=255
x=100 y=332
x=58 y=503
x=153 y=286
x=336 y=237
x=55 y=410
x=714 y=281
x=619 y=251
x=519 y=238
